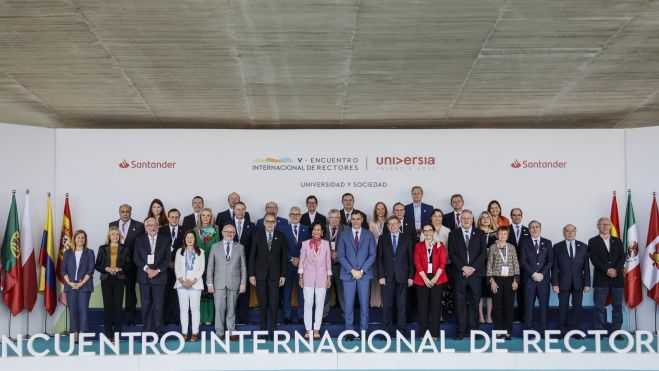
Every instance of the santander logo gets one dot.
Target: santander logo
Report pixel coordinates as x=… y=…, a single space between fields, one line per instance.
x=526 y=164
x=147 y=164
x=516 y=164
x=123 y=164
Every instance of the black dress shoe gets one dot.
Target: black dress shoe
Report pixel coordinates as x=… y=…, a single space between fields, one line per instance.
x=287 y=321
x=350 y=337
x=459 y=336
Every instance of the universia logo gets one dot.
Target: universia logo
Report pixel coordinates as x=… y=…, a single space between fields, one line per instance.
x=407 y=160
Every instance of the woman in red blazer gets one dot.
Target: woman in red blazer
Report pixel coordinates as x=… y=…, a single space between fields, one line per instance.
x=429 y=261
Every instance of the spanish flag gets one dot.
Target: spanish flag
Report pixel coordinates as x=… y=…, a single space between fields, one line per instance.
x=47 y=256
x=65 y=243
x=615 y=221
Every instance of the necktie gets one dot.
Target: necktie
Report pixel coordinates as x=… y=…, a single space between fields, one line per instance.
x=537 y=248
x=152 y=241
x=228 y=256
x=394 y=244
x=571 y=249
x=123 y=231
x=517 y=233
x=357 y=239
x=467 y=238
x=173 y=234
x=401 y=227
x=269 y=241
x=295 y=232
x=457 y=220
x=348 y=218
x=240 y=229
x=333 y=233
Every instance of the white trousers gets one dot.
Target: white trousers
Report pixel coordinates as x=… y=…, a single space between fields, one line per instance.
x=189 y=300
x=309 y=301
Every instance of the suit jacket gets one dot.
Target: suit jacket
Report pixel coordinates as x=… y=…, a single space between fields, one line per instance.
x=319 y=218
x=399 y=266
x=177 y=243
x=328 y=236
x=349 y=224
x=124 y=261
x=351 y=256
x=281 y=223
x=160 y=261
x=439 y=257
x=426 y=212
x=567 y=272
x=532 y=262
x=226 y=274
x=457 y=251
x=189 y=222
x=86 y=267
x=249 y=229
x=224 y=217
x=264 y=263
x=197 y=270
x=315 y=266
x=407 y=229
x=603 y=260
x=135 y=229
x=449 y=220
x=293 y=246
x=524 y=233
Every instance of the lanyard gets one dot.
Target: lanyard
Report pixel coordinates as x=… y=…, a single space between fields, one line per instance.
x=505 y=258
x=429 y=252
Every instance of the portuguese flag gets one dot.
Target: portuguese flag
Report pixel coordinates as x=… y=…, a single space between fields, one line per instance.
x=12 y=275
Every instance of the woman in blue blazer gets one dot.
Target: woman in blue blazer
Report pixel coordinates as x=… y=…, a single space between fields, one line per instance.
x=78 y=270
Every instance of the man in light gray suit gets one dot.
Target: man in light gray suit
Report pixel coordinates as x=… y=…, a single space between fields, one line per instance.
x=226 y=278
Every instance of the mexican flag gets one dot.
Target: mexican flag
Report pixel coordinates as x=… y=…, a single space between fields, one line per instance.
x=633 y=293
x=12 y=275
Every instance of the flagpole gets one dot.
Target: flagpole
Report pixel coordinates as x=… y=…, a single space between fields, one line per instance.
x=45 y=316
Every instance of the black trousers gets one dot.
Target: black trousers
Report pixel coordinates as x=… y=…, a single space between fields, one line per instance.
x=153 y=297
x=467 y=296
x=267 y=292
x=242 y=306
x=502 y=304
x=394 y=294
x=563 y=301
x=112 y=289
x=171 y=310
x=429 y=302
x=131 y=295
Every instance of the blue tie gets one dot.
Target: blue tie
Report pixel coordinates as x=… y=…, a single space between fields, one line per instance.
x=394 y=244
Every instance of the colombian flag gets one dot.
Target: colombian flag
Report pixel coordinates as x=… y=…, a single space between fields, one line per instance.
x=47 y=258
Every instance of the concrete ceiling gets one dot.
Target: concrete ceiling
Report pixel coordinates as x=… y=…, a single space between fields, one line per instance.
x=329 y=64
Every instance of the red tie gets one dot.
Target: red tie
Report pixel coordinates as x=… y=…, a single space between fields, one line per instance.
x=357 y=239
x=457 y=220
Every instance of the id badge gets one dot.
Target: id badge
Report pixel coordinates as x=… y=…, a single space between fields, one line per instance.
x=333 y=245
x=429 y=267
x=504 y=270
x=150 y=259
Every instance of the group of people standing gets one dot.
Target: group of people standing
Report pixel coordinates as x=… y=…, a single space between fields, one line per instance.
x=419 y=259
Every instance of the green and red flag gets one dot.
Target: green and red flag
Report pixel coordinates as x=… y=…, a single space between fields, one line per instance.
x=12 y=275
x=633 y=292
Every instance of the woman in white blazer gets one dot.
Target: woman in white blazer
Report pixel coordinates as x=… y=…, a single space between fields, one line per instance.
x=189 y=267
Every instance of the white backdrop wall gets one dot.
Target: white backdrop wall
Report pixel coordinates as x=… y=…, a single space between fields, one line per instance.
x=212 y=163
x=28 y=161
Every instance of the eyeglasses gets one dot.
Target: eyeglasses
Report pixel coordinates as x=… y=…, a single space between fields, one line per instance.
x=296 y=214
x=428 y=230
x=270 y=221
x=229 y=232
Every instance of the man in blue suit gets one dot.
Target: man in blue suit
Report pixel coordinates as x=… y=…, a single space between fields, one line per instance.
x=151 y=257
x=417 y=213
x=295 y=233
x=536 y=260
x=356 y=252
x=272 y=208
x=570 y=275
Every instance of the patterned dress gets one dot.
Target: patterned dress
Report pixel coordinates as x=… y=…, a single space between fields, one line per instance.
x=206 y=237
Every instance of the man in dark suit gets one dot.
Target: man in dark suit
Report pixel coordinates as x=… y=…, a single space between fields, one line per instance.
x=467 y=249
x=227 y=216
x=334 y=230
x=517 y=232
x=452 y=220
x=244 y=232
x=536 y=258
x=295 y=233
x=129 y=229
x=272 y=208
x=396 y=272
x=152 y=256
x=312 y=216
x=267 y=269
x=190 y=221
x=417 y=213
x=175 y=232
x=570 y=275
x=406 y=227
x=608 y=257
x=357 y=254
x=348 y=201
